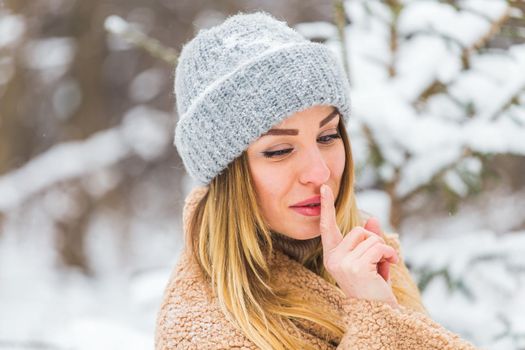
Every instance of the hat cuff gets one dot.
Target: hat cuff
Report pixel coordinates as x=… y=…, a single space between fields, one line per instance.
x=233 y=112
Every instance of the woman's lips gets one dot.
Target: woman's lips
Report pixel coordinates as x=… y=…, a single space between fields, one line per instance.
x=311 y=200
x=308 y=211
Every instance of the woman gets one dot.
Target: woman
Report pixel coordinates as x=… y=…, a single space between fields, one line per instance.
x=262 y=125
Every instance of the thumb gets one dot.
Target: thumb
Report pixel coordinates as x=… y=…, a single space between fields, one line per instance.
x=372 y=225
x=330 y=234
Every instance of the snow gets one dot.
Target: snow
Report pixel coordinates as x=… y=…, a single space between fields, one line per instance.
x=492 y=10
x=435 y=61
x=61 y=162
x=67 y=311
x=143 y=132
x=516 y=13
x=116 y=25
x=49 y=53
x=50 y=58
x=470 y=263
x=493 y=81
x=113 y=307
x=480 y=281
x=426 y=138
x=316 y=30
x=375 y=203
x=455 y=183
x=66 y=99
x=445 y=107
x=96 y=333
x=12 y=27
x=100 y=181
x=464 y=27
x=147 y=85
x=501 y=136
x=147 y=131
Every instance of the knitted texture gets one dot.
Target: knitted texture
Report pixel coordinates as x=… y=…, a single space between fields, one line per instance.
x=190 y=317
x=294 y=248
x=235 y=81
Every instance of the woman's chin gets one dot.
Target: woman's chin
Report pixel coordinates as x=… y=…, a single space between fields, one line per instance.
x=302 y=234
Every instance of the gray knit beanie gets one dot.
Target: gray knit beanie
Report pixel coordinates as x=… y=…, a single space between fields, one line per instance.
x=237 y=80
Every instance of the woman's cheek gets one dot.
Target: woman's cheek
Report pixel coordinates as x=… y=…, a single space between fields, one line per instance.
x=338 y=161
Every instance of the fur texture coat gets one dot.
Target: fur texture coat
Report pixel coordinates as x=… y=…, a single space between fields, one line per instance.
x=190 y=318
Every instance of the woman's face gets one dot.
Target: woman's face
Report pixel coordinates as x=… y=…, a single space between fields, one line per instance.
x=288 y=165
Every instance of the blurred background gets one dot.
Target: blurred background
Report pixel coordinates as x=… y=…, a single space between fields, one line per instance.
x=92 y=189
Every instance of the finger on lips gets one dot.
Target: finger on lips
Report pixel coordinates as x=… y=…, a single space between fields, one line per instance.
x=358 y=241
x=362 y=249
x=330 y=234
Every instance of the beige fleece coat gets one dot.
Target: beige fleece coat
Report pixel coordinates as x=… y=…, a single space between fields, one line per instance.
x=190 y=318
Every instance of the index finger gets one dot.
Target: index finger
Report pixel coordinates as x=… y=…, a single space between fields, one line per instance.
x=330 y=234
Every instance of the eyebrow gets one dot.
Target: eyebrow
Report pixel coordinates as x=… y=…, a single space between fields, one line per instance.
x=322 y=123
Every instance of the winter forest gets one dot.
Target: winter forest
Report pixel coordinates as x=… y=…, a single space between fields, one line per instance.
x=92 y=188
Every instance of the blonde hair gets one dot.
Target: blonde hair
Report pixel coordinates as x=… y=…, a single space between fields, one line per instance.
x=232 y=244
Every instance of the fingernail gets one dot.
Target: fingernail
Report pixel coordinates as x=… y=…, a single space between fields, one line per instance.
x=323 y=190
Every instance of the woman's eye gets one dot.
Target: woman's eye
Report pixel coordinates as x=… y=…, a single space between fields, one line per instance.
x=326 y=140
x=281 y=152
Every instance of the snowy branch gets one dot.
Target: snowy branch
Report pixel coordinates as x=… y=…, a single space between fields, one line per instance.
x=484 y=38
x=119 y=27
x=143 y=132
x=340 y=21
x=432 y=96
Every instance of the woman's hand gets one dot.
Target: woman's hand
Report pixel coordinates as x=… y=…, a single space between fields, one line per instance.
x=359 y=262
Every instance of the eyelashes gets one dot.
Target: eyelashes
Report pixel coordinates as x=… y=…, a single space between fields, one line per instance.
x=325 y=140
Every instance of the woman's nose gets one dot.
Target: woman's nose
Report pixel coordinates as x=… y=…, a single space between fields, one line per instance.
x=314 y=169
